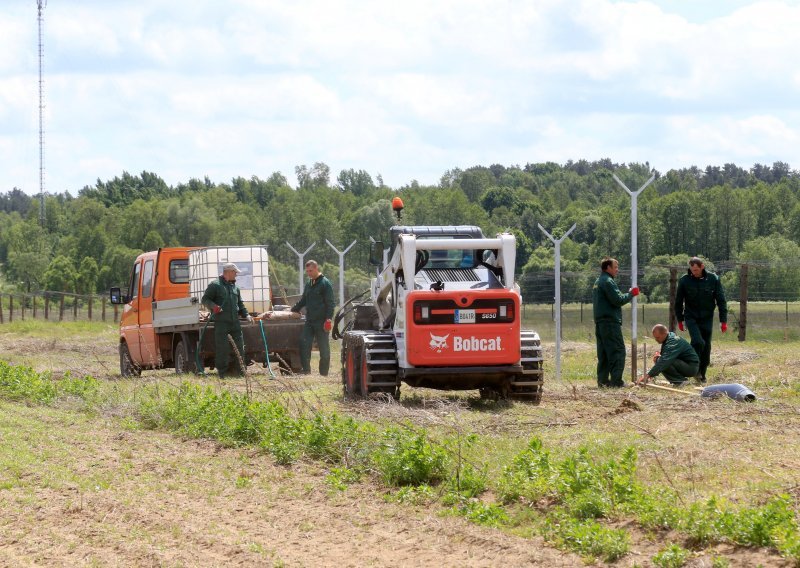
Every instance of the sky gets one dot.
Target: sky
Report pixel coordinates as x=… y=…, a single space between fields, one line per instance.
x=407 y=90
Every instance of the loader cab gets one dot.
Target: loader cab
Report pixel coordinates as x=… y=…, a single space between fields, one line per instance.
x=443 y=232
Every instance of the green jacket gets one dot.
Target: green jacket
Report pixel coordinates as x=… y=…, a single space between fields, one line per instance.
x=227 y=296
x=697 y=297
x=608 y=300
x=317 y=300
x=674 y=347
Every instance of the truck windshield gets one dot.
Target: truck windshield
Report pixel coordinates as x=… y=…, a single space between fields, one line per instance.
x=455 y=258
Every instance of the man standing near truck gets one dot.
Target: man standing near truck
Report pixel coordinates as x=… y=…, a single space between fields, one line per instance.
x=699 y=292
x=318 y=301
x=224 y=299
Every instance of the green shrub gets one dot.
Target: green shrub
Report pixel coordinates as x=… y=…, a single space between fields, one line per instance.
x=24 y=384
x=20 y=383
x=486 y=514
x=587 y=538
x=407 y=458
x=468 y=481
x=340 y=477
x=671 y=557
x=759 y=526
x=528 y=476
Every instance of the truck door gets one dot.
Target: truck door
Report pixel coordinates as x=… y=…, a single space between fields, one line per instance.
x=151 y=357
x=129 y=322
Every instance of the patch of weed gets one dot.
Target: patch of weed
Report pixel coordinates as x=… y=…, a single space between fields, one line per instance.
x=409 y=458
x=340 y=477
x=673 y=556
x=590 y=539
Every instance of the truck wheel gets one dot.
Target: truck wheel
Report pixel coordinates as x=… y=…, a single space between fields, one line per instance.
x=184 y=357
x=127 y=368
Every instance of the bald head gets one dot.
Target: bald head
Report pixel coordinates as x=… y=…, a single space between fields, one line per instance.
x=659 y=332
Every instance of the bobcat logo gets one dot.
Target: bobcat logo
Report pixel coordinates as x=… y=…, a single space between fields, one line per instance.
x=439 y=342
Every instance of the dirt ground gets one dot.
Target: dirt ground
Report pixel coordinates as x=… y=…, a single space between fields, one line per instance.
x=84 y=504
x=92 y=492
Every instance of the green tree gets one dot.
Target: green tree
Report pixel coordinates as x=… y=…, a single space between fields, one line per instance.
x=61 y=275
x=359 y=183
x=28 y=254
x=88 y=273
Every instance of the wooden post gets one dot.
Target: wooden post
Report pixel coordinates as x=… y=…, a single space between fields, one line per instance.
x=103 y=304
x=10 y=308
x=34 y=306
x=91 y=299
x=673 y=290
x=46 y=306
x=61 y=309
x=116 y=313
x=74 y=308
x=743 y=304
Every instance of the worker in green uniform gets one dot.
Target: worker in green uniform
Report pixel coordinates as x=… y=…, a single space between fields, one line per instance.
x=318 y=301
x=699 y=292
x=224 y=299
x=607 y=303
x=677 y=360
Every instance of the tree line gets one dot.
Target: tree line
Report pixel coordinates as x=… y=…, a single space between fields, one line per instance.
x=89 y=240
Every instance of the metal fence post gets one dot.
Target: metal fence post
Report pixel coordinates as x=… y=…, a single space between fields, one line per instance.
x=22 y=307
x=61 y=309
x=743 y=304
x=46 y=306
x=103 y=304
x=74 y=308
x=10 y=308
x=91 y=300
x=1 y=308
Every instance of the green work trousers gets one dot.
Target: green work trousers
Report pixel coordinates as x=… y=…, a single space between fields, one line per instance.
x=312 y=331
x=610 y=354
x=225 y=357
x=700 y=332
x=679 y=371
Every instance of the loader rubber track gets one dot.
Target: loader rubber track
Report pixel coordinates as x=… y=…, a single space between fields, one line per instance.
x=528 y=386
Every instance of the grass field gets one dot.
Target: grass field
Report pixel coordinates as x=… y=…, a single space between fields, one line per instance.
x=633 y=477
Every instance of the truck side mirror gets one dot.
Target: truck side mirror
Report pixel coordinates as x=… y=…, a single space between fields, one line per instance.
x=117 y=297
x=376 y=253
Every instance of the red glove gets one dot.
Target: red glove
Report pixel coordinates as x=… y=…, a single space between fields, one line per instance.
x=327 y=325
x=680 y=326
x=635 y=291
x=724 y=327
x=216 y=309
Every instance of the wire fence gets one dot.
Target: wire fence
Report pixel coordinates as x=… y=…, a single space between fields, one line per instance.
x=56 y=307
x=763 y=300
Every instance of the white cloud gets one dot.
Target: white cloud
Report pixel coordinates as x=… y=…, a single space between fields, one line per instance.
x=187 y=89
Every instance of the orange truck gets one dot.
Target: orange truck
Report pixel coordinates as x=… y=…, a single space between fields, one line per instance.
x=164 y=324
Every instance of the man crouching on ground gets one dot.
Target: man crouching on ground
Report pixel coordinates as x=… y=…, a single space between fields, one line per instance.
x=677 y=360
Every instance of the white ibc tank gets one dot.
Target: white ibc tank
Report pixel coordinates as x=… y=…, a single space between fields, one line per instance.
x=205 y=266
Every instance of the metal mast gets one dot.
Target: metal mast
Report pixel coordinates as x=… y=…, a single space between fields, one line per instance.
x=41 y=5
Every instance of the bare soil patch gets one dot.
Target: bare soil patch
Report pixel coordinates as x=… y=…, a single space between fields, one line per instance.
x=150 y=499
